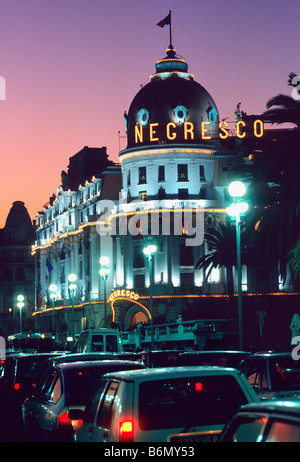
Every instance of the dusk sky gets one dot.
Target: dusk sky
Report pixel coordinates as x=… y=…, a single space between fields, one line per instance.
x=72 y=67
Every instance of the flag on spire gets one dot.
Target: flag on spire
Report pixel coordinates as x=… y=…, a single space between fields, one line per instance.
x=166 y=20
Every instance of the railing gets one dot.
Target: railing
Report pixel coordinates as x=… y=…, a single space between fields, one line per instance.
x=197 y=331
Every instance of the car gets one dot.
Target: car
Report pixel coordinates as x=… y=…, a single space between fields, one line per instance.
x=224 y=358
x=74 y=357
x=158 y=358
x=65 y=386
x=266 y=421
x=163 y=404
x=273 y=375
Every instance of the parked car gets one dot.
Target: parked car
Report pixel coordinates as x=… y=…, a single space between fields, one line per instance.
x=158 y=358
x=226 y=358
x=273 y=375
x=160 y=404
x=65 y=386
x=267 y=421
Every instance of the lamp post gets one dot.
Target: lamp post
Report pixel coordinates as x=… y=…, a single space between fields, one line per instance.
x=237 y=189
x=104 y=272
x=72 y=288
x=149 y=251
x=20 y=305
x=53 y=289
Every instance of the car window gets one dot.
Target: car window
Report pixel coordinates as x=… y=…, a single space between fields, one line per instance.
x=111 y=343
x=92 y=406
x=245 y=430
x=97 y=342
x=45 y=386
x=105 y=411
x=56 y=390
x=284 y=432
x=186 y=402
x=285 y=373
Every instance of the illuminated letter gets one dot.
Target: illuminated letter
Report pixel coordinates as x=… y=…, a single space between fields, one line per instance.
x=261 y=128
x=188 y=128
x=138 y=133
x=153 y=132
x=225 y=132
x=203 y=130
x=169 y=135
x=238 y=134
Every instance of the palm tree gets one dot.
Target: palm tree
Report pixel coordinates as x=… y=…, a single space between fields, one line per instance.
x=284 y=108
x=294 y=259
x=222 y=251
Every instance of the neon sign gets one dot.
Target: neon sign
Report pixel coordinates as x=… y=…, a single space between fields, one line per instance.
x=156 y=132
x=130 y=294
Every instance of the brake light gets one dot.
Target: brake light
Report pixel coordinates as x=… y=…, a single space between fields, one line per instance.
x=17 y=386
x=263 y=420
x=198 y=386
x=64 y=420
x=126 y=431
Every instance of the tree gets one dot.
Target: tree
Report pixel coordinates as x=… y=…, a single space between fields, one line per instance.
x=294 y=259
x=284 y=108
x=222 y=251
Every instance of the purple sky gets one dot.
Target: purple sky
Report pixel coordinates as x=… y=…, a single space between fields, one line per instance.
x=73 y=66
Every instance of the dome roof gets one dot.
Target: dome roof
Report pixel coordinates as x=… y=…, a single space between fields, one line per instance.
x=18 y=226
x=172 y=108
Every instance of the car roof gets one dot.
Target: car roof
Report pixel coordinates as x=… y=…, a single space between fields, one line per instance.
x=173 y=372
x=273 y=406
x=102 y=363
x=215 y=352
x=271 y=354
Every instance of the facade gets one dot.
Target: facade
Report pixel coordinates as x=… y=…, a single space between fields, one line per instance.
x=170 y=187
x=16 y=269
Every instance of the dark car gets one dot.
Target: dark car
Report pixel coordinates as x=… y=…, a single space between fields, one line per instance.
x=273 y=375
x=226 y=358
x=159 y=358
x=267 y=421
x=65 y=387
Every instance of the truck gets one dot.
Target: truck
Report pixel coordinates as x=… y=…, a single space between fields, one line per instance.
x=102 y=339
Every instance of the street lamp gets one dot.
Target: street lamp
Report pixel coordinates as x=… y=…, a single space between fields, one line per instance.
x=104 y=272
x=237 y=189
x=53 y=289
x=20 y=305
x=72 y=288
x=149 y=251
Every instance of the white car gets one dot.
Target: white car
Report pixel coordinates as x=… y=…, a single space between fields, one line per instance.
x=163 y=404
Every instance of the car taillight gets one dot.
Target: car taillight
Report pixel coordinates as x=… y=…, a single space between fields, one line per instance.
x=17 y=386
x=126 y=431
x=64 y=420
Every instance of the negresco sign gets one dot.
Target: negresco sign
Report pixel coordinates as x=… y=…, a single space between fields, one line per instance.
x=193 y=132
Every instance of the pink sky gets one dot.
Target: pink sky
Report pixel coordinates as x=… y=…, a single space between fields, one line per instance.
x=73 y=66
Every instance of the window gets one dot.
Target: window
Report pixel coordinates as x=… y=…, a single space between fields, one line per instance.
x=143 y=195
x=105 y=412
x=56 y=391
x=185 y=402
x=161 y=173
x=246 y=430
x=92 y=406
x=142 y=175
x=182 y=172
x=202 y=173
x=284 y=432
x=128 y=178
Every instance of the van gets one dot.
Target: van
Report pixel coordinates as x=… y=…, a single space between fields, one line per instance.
x=93 y=340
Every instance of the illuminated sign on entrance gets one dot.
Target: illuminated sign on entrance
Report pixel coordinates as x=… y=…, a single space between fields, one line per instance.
x=188 y=131
x=130 y=294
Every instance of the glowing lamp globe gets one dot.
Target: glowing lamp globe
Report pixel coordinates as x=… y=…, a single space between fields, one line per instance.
x=236 y=189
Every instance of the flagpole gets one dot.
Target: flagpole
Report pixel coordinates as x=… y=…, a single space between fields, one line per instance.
x=170 y=11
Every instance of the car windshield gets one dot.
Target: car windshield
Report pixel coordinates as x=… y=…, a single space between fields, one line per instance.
x=285 y=373
x=185 y=402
